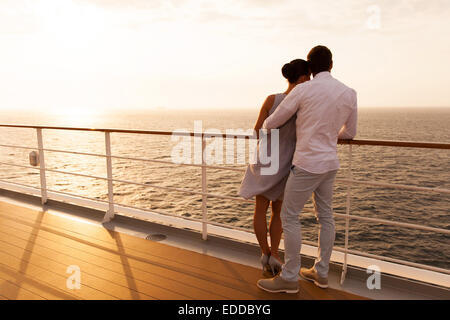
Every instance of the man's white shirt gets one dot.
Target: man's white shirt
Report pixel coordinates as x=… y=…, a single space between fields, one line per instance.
x=326 y=111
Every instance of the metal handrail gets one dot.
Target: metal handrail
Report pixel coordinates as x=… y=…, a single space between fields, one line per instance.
x=204 y=221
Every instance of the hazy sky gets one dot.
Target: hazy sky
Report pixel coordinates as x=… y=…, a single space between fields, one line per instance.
x=99 y=54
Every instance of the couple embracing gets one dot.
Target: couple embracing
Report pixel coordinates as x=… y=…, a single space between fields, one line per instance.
x=311 y=115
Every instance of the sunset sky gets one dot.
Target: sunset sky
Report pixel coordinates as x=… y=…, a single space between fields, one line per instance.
x=144 y=54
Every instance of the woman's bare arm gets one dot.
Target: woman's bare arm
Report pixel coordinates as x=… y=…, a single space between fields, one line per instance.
x=264 y=113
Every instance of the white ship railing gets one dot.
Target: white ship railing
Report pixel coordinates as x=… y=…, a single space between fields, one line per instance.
x=139 y=212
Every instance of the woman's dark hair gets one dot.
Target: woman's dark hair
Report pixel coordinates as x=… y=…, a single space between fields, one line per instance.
x=320 y=59
x=293 y=70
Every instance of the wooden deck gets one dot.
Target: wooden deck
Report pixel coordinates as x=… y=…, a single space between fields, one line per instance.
x=36 y=248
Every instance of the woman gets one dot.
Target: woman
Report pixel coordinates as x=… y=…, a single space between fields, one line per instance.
x=268 y=189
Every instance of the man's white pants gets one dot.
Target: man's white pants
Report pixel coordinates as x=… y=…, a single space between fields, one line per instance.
x=299 y=188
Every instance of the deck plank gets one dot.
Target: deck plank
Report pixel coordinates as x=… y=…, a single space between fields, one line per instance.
x=137 y=246
x=10 y=290
x=200 y=275
x=112 y=271
x=48 y=275
x=37 y=286
x=144 y=271
x=39 y=246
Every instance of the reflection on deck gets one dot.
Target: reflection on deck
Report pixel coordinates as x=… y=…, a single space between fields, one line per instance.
x=36 y=249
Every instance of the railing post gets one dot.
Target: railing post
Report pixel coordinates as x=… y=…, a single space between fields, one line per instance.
x=110 y=213
x=347 y=219
x=204 y=191
x=44 y=197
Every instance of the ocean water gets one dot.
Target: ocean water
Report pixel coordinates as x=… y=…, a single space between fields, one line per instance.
x=418 y=167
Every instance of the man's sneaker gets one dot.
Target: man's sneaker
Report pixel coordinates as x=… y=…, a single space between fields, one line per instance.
x=278 y=284
x=311 y=275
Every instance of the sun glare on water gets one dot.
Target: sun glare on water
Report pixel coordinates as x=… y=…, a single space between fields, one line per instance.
x=73 y=117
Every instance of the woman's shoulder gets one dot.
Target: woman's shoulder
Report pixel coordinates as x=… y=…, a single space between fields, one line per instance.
x=277 y=98
x=269 y=102
x=273 y=97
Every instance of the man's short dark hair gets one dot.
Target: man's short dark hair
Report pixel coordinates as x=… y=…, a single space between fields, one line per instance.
x=320 y=59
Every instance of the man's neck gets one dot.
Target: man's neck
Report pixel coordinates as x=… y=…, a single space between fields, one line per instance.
x=315 y=74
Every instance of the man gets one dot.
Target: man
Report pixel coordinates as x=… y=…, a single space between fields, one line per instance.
x=326 y=110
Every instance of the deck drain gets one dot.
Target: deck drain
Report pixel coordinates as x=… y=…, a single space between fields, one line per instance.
x=156 y=237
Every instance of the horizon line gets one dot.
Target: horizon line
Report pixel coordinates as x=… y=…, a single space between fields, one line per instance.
x=140 y=109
